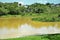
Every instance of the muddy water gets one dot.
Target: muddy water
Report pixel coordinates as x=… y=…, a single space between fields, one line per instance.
x=17 y=27
x=15 y=22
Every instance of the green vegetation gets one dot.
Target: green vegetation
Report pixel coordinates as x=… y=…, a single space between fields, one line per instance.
x=39 y=37
x=39 y=12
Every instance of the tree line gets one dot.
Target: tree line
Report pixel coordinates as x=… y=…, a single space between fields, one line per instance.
x=49 y=11
x=14 y=9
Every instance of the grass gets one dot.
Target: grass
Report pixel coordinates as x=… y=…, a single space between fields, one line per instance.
x=39 y=37
x=42 y=17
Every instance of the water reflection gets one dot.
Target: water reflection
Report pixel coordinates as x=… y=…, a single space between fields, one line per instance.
x=15 y=22
x=17 y=27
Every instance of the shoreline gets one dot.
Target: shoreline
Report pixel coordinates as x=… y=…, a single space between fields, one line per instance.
x=26 y=30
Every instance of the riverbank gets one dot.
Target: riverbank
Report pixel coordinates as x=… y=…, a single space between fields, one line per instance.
x=26 y=30
x=38 y=37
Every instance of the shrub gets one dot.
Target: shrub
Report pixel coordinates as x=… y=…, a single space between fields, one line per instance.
x=1 y=14
x=13 y=12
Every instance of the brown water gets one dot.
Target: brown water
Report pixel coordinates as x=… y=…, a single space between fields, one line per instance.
x=25 y=27
x=15 y=22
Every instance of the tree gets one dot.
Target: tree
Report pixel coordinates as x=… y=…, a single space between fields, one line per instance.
x=48 y=4
x=38 y=11
x=13 y=12
x=59 y=16
x=3 y=11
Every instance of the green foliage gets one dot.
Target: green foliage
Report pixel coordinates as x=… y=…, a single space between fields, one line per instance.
x=47 y=12
x=13 y=12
